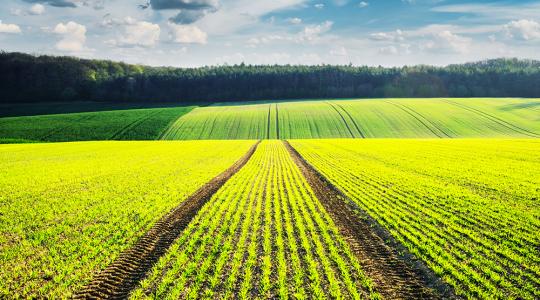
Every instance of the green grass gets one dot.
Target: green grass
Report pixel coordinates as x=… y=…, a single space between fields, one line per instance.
x=132 y=124
x=68 y=209
x=468 y=208
x=379 y=118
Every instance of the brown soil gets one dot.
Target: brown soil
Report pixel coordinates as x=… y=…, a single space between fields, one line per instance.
x=397 y=274
x=122 y=276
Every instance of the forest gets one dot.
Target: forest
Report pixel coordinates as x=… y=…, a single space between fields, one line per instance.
x=26 y=78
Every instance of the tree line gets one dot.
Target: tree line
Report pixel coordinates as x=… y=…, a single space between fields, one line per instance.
x=29 y=78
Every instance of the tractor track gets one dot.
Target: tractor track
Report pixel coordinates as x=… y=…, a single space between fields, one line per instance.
x=118 y=279
x=397 y=274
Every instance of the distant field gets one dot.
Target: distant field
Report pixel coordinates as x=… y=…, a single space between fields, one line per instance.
x=396 y=118
x=68 y=209
x=468 y=208
x=377 y=118
x=130 y=124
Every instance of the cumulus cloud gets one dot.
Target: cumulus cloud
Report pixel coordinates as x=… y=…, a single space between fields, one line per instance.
x=363 y=4
x=447 y=41
x=36 y=9
x=523 y=29
x=187 y=34
x=137 y=33
x=73 y=36
x=313 y=32
x=395 y=36
x=9 y=28
x=319 y=6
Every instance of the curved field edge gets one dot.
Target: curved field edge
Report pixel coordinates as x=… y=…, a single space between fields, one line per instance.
x=368 y=118
x=68 y=209
x=129 y=124
x=263 y=234
x=467 y=208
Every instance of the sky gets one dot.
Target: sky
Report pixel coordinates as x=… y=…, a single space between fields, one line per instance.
x=191 y=33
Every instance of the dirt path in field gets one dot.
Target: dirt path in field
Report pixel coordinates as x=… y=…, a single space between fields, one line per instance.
x=122 y=276
x=396 y=273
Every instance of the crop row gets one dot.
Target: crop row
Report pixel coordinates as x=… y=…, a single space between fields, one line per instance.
x=467 y=208
x=262 y=235
x=68 y=210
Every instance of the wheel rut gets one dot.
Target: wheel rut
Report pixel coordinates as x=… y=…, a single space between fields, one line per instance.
x=397 y=274
x=118 y=279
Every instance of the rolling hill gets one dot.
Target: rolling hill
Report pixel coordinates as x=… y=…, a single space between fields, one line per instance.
x=377 y=118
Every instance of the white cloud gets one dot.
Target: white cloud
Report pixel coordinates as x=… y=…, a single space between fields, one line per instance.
x=235 y=15
x=15 y=12
x=9 y=28
x=137 y=33
x=363 y=4
x=493 y=11
x=313 y=32
x=523 y=29
x=396 y=36
x=453 y=41
x=295 y=21
x=36 y=9
x=187 y=34
x=73 y=36
x=319 y=6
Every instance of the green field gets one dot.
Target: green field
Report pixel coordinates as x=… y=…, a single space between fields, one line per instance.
x=68 y=209
x=396 y=118
x=379 y=118
x=273 y=237
x=131 y=124
x=395 y=198
x=468 y=208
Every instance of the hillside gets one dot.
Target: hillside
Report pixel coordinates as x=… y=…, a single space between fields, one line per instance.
x=130 y=124
x=377 y=118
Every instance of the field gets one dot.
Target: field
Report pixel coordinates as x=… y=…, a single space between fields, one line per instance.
x=395 y=118
x=272 y=239
x=68 y=209
x=471 y=213
x=380 y=118
x=393 y=203
x=131 y=124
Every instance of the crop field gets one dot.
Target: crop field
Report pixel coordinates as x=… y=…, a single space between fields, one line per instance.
x=263 y=234
x=394 y=118
x=68 y=209
x=315 y=199
x=467 y=208
x=132 y=124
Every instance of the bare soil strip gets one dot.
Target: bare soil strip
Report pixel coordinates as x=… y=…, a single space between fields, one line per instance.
x=122 y=276
x=397 y=274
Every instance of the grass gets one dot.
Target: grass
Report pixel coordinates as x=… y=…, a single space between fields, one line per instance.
x=68 y=209
x=468 y=208
x=262 y=235
x=132 y=124
x=382 y=118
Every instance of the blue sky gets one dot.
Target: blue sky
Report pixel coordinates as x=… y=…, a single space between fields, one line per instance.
x=191 y=33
